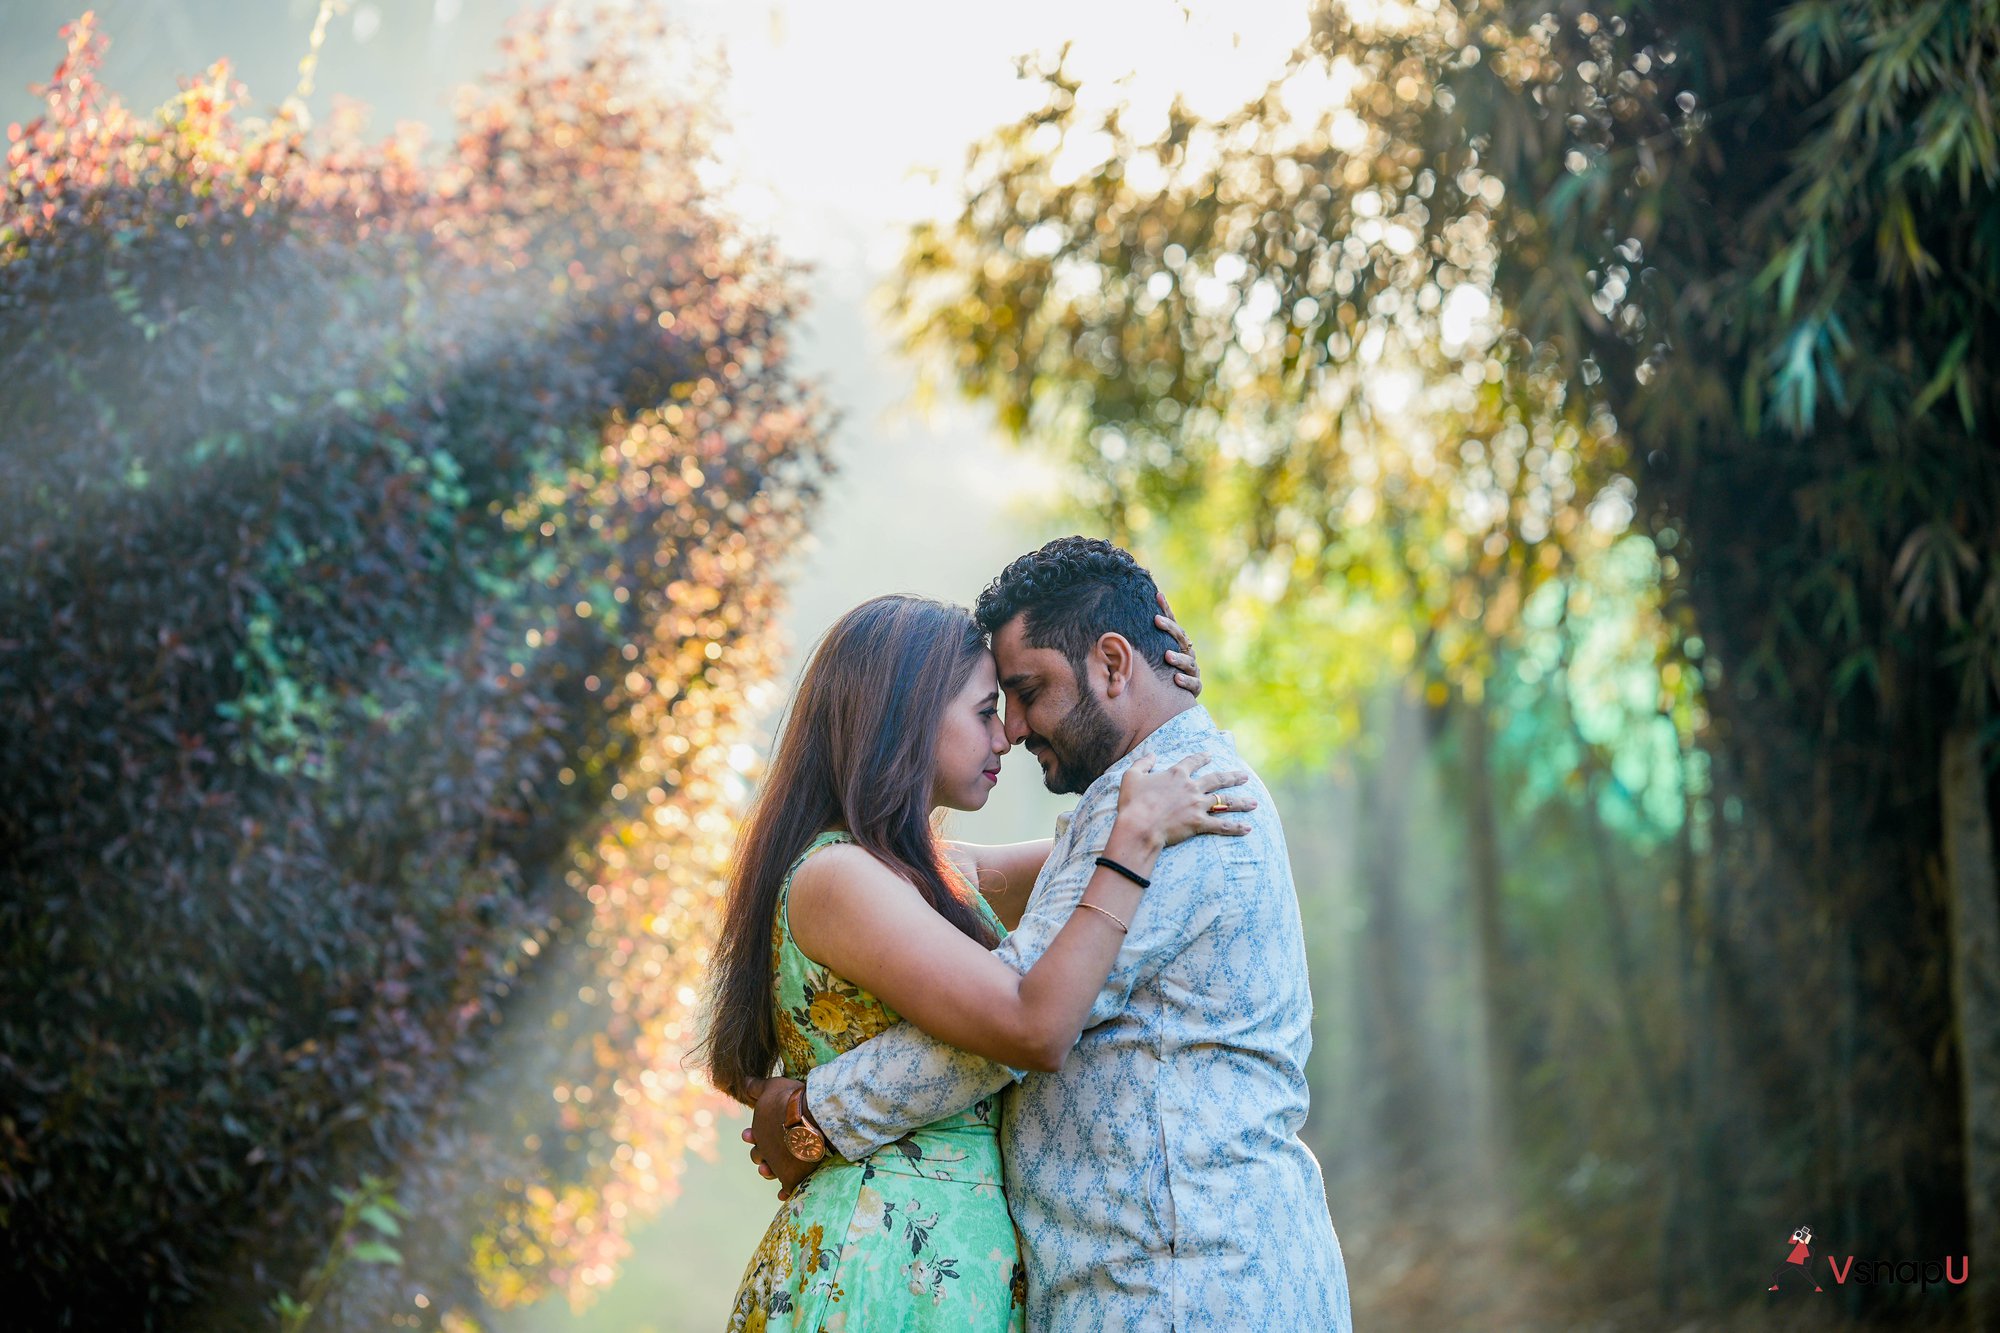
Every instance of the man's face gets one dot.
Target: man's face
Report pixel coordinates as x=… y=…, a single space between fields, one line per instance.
x=1058 y=717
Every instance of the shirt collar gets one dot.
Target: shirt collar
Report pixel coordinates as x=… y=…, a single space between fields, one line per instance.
x=1175 y=734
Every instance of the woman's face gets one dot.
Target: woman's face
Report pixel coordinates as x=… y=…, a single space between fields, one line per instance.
x=971 y=740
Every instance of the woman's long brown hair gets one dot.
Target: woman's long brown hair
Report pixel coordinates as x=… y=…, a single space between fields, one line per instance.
x=856 y=751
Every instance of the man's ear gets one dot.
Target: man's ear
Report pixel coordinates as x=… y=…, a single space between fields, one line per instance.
x=1116 y=656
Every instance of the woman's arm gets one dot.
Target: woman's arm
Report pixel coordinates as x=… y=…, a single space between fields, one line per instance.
x=1005 y=874
x=854 y=915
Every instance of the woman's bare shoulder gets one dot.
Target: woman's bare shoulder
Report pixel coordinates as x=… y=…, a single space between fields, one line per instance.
x=840 y=869
x=844 y=894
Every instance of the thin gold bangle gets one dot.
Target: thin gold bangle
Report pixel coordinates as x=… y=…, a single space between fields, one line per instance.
x=1122 y=927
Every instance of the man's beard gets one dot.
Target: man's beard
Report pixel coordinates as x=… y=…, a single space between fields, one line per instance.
x=1083 y=745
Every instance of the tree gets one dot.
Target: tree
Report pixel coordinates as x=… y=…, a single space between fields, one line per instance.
x=1729 y=273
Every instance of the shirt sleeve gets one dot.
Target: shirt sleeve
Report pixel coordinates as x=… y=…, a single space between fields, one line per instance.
x=896 y=1081
x=904 y=1079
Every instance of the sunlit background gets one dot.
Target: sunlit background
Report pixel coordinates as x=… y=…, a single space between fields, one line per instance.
x=1560 y=431
x=845 y=125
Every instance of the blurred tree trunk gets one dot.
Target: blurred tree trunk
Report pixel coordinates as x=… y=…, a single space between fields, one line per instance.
x=1975 y=911
x=1842 y=1143
x=1685 y=1220
x=1628 y=980
x=1392 y=1000
x=1501 y=1019
x=1618 y=940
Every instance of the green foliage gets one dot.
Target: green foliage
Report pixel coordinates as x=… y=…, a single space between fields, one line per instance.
x=1396 y=353
x=369 y=1222
x=359 y=491
x=1245 y=305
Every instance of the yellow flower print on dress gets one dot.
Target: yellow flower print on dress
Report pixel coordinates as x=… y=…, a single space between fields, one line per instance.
x=834 y=1012
x=829 y=1014
x=795 y=1050
x=815 y=1247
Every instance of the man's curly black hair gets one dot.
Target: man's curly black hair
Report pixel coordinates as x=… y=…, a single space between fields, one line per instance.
x=1072 y=591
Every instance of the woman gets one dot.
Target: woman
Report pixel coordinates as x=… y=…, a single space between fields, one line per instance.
x=846 y=912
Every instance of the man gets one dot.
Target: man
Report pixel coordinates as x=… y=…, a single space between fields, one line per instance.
x=1157 y=1178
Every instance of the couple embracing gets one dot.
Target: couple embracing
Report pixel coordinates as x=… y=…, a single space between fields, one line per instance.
x=1056 y=1085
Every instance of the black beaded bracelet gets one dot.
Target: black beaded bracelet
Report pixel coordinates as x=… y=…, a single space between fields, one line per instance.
x=1132 y=875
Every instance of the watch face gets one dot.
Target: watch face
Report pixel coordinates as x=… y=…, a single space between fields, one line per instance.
x=804 y=1144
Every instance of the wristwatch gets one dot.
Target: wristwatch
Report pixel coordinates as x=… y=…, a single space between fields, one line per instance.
x=802 y=1137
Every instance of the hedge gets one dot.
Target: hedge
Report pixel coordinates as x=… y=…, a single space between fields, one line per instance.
x=392 y=544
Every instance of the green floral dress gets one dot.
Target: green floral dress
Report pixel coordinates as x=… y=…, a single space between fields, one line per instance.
x=914 y=1237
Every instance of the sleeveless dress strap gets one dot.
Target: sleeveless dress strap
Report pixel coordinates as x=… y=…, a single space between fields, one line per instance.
x=833 y=837
x=782 y=938
x=826 y=839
